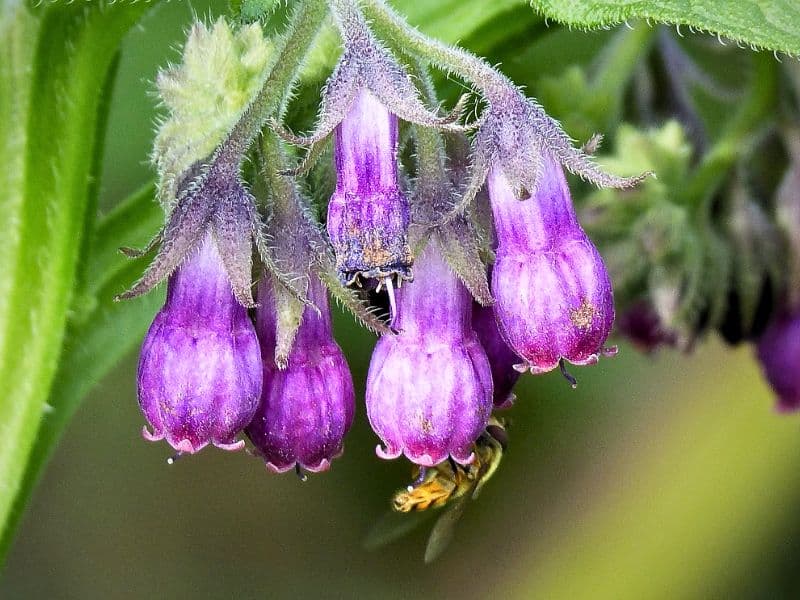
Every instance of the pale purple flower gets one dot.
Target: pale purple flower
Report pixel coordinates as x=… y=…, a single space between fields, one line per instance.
x=429 y=388
x=368 y=214
x=199 y=375
x=552 y=290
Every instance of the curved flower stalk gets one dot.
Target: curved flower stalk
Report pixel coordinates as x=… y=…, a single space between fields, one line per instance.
x=199 y=375
x=778 y=350
x=515 y=133
x=365 y=95
x=429 y=388
x=308 y=406
x=553 y=293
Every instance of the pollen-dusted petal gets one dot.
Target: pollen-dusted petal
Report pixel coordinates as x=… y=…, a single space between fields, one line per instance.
x=368 y=214
x=553 y=294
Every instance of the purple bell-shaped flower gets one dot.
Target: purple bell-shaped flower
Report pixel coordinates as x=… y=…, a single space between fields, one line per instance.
x=368 y=214
x=429 y=388
x=553 y=293
x=779 y=352
x=200 y=367
x=306 y=408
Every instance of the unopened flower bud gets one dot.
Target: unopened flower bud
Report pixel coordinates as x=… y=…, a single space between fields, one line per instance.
x=306 y=408
x=779 y=352
x=200 y=367
x=429 y=388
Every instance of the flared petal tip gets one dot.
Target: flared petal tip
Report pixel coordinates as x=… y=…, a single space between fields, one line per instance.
x=230 y=447
x=387 y=453
x=592 y=359
x=151 y=437
x=298 y=466
x=185 y=446
x=319 y=467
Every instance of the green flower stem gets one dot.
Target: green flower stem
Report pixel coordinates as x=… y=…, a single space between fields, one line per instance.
x=304 y=25
x=449 y=58
x=717 y=163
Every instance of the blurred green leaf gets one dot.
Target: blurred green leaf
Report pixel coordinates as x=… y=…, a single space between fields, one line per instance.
x=54 y=72
x=769 y=24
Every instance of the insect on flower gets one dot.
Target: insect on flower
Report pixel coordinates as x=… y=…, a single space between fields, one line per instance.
x=447 y=486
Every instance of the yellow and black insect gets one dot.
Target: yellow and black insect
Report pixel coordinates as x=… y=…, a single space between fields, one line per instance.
x=447 y=486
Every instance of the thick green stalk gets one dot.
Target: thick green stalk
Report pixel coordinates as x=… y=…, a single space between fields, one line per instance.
x=100 y=333
x=55 y=63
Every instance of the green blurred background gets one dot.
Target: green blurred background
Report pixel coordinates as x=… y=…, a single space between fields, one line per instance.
x=666 y=476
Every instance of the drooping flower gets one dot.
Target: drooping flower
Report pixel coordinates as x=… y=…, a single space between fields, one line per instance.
x=199 y=374
x=307 y=407
x=553 y=293
x=641 y=324
x=365 y=95
x=368 y=214
x=779 y=352
x=429 y=388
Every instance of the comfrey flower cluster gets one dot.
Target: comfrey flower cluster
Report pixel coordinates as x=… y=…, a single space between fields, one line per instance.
x=466 y=315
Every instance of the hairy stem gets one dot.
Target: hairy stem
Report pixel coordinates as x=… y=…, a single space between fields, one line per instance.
x=449 y=58
x=304 y=24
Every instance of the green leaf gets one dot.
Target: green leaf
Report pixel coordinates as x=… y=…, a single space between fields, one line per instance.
x=54 y=64
x=769 y=24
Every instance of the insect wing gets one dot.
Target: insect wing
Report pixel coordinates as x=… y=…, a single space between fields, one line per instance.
x=444 y=528
x=392 y=526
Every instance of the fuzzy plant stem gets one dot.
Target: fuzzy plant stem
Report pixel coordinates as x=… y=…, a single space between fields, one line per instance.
x=453 y=59
x=304 y=25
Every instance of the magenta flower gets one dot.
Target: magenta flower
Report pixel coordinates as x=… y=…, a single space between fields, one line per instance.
x=200 y=367
x=429 y=388
x=553 y=293
x=306 y=408
x=779 y=352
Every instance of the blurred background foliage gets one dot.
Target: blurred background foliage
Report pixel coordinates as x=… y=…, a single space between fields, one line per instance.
x=660 y=476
